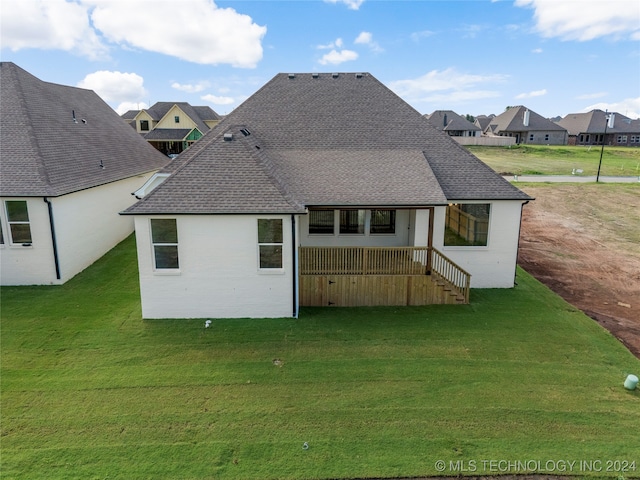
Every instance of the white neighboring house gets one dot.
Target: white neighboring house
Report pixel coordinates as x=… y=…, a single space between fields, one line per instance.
x=69 y=165
x=341 y=194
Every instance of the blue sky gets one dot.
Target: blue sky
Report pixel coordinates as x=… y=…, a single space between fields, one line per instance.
x=471 y=56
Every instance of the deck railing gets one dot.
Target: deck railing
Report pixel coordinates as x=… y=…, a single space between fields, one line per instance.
x=448 y=271
x=384 y=261
x=363 y=260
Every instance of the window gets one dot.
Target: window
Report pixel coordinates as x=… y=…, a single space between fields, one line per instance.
x=531 y=137
x=383 y=221
x=622 y=139
x=18 y=220
x=321 y=222
x=176 y=119
x=546 y=137
x=1 y=234
x=144 y=125
x=164 y=237
x=635 y=138
x=270 y=242
x=467 y=224
x=352 y=222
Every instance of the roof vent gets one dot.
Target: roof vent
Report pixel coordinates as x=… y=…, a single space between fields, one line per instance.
x=245 y=132
x=315 y=75
x=292 y=75
x=358 y=75
x=334 y=75
x=73 y=115
x=228 y=137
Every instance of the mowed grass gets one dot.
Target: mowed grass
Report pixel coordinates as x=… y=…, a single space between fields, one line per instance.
x=90 y=390
x=560 y=159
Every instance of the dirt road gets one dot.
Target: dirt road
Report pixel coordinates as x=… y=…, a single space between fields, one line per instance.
x=583 y=242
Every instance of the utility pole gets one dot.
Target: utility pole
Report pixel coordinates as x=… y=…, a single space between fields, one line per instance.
x=604 y=136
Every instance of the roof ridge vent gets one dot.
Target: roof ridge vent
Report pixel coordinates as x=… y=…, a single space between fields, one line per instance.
x=292 y=75
x=358 y=75
x=334 y=75
x=315 y=75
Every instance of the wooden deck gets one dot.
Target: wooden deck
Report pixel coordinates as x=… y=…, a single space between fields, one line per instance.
x=362 y=276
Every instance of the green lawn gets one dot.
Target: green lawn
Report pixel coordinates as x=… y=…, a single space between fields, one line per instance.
x=559 y=160
x=89 y=390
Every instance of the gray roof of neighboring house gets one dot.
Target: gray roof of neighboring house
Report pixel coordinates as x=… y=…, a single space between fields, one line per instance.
x=198 y=114
x=130 y=114
x=512 y=120
x=168 y=134
x=45 y=153
x=322 y=140
x=448 y=120
x=595 y=121
x=483 y=121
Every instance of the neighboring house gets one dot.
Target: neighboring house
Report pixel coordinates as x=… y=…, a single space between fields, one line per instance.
x=340 y=194
x=172 y=127
x=453 y=124
x=596 y=127
x=482 y=121
x=69 y=165
x=526 y=126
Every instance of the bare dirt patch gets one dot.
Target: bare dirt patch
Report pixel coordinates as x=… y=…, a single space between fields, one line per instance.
x=583 y=242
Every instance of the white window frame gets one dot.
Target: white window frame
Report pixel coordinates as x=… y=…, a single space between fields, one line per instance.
x=17 y=222
x=164 y=270
x=469 y=247
x=267 y=270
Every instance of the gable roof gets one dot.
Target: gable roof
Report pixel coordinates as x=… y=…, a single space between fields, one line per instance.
x=46 y=153
x=448 y=120
x=513 y=119
x=158 y=110
x=323 y=140
x=595 y=121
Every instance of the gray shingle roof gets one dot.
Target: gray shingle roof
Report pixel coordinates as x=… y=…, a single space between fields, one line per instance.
x=318 y=139
x=168 y=134
x=448 y=120
x=512 y=120
x=595 y=121
x=45 y=153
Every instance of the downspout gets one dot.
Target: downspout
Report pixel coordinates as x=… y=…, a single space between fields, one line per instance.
x=431 y=211
x=515 y=274
x=54 y=243
x=294 y=259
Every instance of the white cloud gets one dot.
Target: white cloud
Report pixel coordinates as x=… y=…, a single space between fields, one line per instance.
x=335 y=57
x=629 y=107
x=209 y=35
x=535 y=93
x=366 y=38
x=49 y=25
x=338 y=43
x=218 y=100
x=447 y=86
x=126 y=106
x=351 y=4
x=115 y=87
x=582 y=21
x=198 y=87
x=536 y=50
